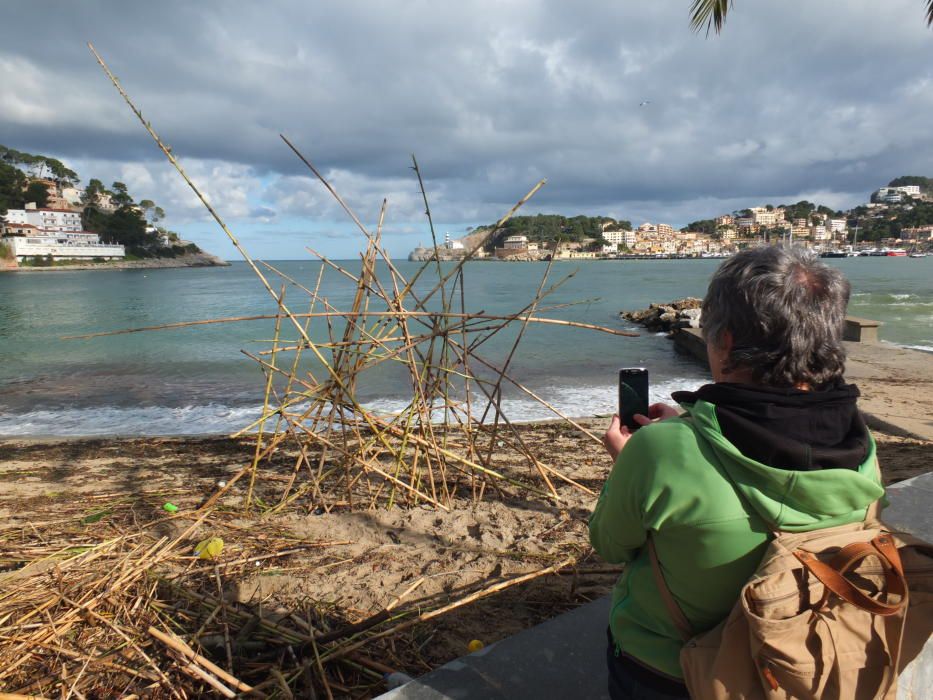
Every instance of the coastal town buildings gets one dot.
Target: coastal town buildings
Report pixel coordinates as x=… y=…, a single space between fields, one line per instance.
x=819 y=233
x=33 y=232
x=917 y=233
x=747 y=225
x=803 y=223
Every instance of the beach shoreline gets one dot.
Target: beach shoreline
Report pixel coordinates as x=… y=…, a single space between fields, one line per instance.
x=190 y=260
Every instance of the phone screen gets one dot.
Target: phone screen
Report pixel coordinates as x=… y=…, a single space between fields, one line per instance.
x=633 y=395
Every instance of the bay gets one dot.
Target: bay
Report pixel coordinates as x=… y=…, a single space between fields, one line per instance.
x=197 y=381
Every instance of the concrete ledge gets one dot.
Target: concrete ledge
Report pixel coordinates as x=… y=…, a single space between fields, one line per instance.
x=860 y=330
x=562 y=658
x=690 y=342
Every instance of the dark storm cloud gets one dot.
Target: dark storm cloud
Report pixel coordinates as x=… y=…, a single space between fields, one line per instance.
x=794 y=97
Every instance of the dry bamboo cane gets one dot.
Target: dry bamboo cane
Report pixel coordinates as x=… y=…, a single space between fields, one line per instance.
x=495 y=588
x=265 y=406
x=335 y=377
x=179 y=646
x=496 y=397
x=324 y=314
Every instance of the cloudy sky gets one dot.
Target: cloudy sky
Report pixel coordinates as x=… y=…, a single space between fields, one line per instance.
x=797 y=99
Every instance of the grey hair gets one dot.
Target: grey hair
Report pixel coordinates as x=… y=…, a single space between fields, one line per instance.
x=785 y=310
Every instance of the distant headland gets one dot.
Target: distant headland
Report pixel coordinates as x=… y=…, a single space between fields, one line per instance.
x=48 y=223
x=897 y=219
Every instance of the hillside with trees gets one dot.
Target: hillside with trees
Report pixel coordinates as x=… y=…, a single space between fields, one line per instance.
x=109 y=211
x=548 y=228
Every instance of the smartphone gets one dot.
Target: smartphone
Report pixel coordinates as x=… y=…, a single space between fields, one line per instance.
x=633 y=395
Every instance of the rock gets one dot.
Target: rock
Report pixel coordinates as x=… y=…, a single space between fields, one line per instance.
x=690 y=318
x=682 y=313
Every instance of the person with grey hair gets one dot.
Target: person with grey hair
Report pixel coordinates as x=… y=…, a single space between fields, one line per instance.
x=775 y=441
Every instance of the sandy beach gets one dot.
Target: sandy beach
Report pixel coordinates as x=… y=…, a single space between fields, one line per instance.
x=346 y=564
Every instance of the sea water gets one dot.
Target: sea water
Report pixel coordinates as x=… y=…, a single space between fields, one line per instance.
x=197 y=380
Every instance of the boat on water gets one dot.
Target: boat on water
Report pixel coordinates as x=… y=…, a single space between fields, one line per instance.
x=916 y=255
x=834 y=254
x=896 y=253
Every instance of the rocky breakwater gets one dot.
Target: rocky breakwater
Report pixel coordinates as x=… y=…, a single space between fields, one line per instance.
x=665 y=318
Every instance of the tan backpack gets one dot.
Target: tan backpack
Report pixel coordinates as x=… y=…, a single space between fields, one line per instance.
x=833 y=613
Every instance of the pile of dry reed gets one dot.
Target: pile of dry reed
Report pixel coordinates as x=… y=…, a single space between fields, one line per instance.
x=442 y=442
x=106 y=608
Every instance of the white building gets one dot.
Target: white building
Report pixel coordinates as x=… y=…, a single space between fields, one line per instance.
x=819 y=233
x=33 y=232
x=51 y=220
x=73 y=195
x=767 y=217
x=837 y=225
x=619 y=236
x=452 y=244
x=896 y=195
x=515 y=243
x=64 y=246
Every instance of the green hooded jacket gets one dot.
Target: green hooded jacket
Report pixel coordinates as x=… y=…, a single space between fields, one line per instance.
x=678 y=480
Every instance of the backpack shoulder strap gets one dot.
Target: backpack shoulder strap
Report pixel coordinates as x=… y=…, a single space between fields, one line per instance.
x=677 y=615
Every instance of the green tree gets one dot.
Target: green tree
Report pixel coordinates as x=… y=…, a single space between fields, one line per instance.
x=38 y=165
x=701 y=226
x=800 y=210
x=12 y=183
x=37 y=192
x=147 y=205
x=92 y=191
x=120 y=195
x=711 y=14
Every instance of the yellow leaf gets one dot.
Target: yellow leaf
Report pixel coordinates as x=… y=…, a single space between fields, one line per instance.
x=209 y=548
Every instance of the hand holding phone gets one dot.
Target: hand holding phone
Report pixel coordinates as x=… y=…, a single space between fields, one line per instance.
x=633 y=395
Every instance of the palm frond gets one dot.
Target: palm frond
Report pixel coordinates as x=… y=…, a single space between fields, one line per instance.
x=712 y=14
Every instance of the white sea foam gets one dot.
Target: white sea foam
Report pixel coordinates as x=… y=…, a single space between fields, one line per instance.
x=113 y=420
x=571 y=400
x=922 y=348
x=211 y=419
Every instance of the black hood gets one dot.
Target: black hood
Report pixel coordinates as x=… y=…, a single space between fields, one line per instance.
x=789 y=428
